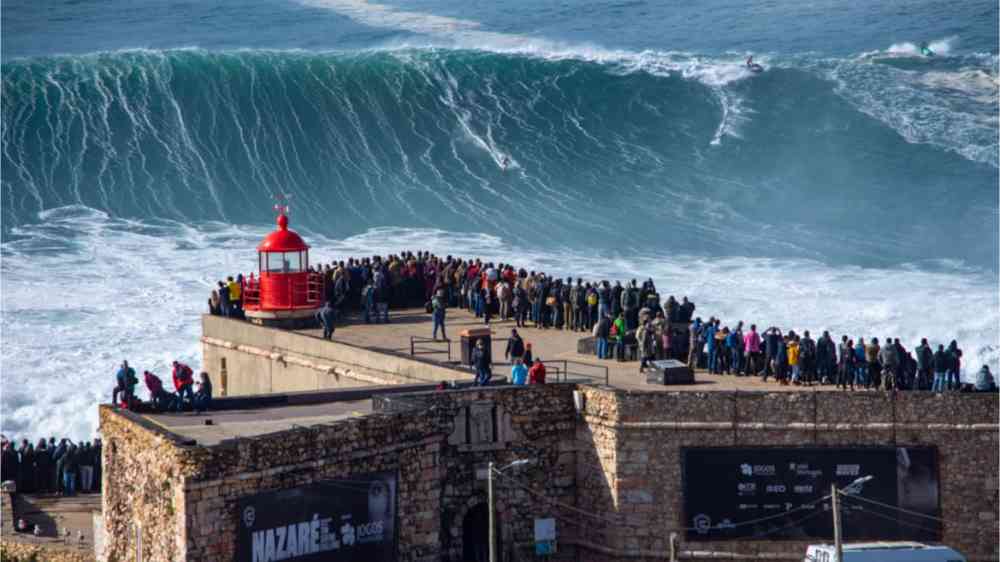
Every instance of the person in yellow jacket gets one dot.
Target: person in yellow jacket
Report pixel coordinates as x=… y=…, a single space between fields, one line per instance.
x=234 y=293
x=793 y=358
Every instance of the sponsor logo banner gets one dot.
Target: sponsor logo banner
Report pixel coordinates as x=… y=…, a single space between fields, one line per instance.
x=783 y=487
x=329 y=521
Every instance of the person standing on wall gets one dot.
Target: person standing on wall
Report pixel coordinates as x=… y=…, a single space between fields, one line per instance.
x=161 y=399
x=71 y=463
x=602 y=333
x=327 y=317
x=694 y=347
x=235 y=297
x=518 y=373
x=125 y=387
x=86 y=458
x=941 y=362
x=515 y=346
x=751 y=348
x=481 y=360
x=536 y=374
x=183 y=383
x=438 y=307
x=925 y=359
x=566 y=300
x=203 y=398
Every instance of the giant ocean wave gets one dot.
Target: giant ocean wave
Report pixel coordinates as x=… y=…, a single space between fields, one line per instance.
x=855 y=194
x=682 y=147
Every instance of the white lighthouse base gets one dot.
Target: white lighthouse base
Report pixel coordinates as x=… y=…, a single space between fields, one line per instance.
x=295 y=318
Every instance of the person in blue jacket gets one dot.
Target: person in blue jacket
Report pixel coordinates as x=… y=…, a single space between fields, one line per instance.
x=519 y=373
x=708 y=333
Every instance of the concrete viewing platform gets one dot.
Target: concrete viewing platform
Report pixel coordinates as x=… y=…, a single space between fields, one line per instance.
x=300 y=421
x=548 y=345
x=270 y=379
x=213 y=427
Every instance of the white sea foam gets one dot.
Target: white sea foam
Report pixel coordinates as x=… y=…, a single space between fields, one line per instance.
x=442 y=31
x=955 y=110
x=976 y=83
x=83 y=291
x=938 y=46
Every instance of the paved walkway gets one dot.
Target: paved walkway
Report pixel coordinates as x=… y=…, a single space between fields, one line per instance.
x=550 y=344
x=63 y=520
x=210 y=428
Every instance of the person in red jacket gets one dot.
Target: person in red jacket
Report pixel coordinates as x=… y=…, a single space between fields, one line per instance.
x=183 y=382
x=536 y=374
x=161 y=399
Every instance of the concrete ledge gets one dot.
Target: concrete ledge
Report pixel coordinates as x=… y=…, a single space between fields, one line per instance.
x=281 y=314
x=313 y=396
x=262 y=360
x=145 y=423
x=793 y=426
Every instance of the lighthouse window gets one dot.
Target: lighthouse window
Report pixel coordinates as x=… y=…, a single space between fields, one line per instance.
x=284 y=262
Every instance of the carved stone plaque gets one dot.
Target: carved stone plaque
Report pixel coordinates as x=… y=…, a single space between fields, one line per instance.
x=481 y=424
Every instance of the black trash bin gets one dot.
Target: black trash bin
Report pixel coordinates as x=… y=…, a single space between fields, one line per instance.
x=468 y=341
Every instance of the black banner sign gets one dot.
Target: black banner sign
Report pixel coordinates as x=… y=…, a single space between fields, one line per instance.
x=330 y=521
x=778 y=493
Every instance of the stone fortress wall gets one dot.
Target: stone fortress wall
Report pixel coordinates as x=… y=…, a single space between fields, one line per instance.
x=635 y=462
x=610 y=473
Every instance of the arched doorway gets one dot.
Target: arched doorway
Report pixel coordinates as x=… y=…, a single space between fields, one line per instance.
x=475 y=534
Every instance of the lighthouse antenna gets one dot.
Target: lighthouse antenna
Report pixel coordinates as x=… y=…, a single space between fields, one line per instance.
x=282 y=203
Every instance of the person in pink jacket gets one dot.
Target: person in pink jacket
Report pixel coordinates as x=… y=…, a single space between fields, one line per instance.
x=751 y=347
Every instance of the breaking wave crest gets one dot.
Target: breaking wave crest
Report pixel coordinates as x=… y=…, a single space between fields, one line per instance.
x=418 y=137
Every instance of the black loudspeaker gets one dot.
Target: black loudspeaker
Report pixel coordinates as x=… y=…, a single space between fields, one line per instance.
x=669 y=371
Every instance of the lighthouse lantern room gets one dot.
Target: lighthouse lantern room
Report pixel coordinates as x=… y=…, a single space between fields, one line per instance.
x=284 y=292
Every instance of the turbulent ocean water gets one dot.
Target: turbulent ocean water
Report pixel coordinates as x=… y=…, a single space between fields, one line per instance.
x=852 y=186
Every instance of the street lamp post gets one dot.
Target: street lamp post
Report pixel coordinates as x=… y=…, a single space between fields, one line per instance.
x=490 y=499
x=852 y=488
x=837 y=542
x=493 y=529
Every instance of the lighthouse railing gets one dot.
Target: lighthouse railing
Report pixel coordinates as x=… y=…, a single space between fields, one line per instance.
x=314 y=288
x=251 y=291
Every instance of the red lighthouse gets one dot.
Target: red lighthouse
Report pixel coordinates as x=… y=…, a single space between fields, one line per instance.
x=285 y=291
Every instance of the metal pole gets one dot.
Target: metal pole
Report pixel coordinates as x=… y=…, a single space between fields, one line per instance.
x=838 y=544
x=489 y=492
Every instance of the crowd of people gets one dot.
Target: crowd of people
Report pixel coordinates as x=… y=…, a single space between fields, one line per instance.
x=525 y=367
x=51 y=467
x=491 y=291
x=185 y=396
x=227 y=298
x=798 y=359
x=628 y=320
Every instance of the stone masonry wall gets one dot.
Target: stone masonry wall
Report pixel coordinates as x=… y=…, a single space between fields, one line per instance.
x=188 y=495
x=143 y=500
x=638 y=439
x=611 y=476
x=534 y=423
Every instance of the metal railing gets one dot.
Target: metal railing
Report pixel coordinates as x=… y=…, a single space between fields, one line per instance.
x=417 y=349
x=314 y=288
x=567 y=370
x=387 y=403
x=250 y=291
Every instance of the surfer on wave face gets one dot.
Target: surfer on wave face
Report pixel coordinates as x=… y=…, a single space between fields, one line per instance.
x=750 y=61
